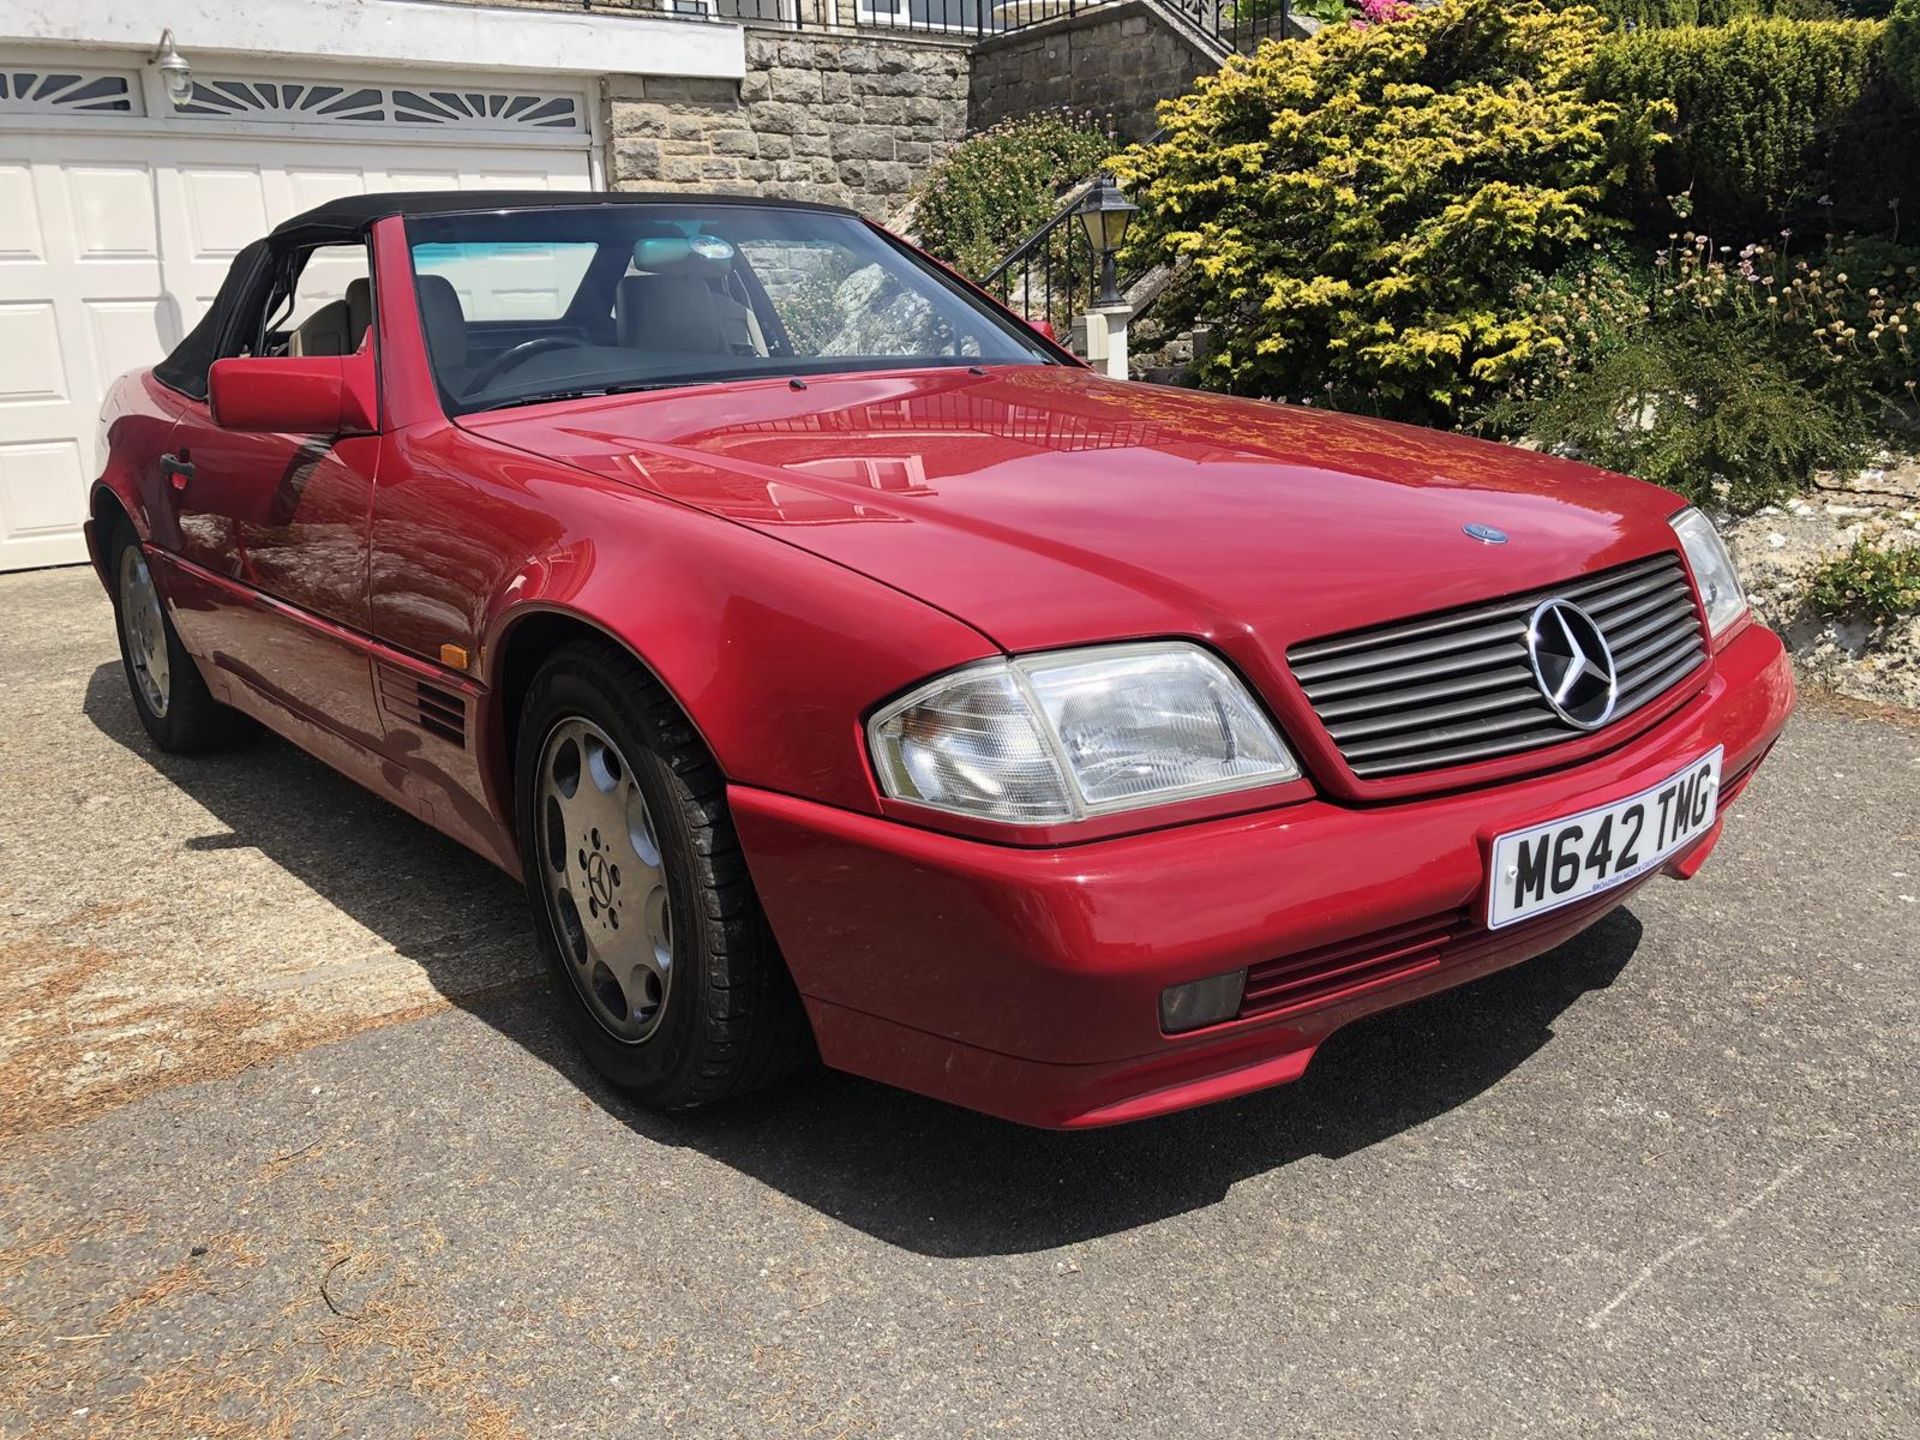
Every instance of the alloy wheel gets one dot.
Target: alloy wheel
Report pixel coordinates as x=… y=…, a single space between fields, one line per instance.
x=604 y=880
x=145 y=630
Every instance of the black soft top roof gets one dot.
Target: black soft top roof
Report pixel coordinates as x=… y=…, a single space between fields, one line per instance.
x=349 y=216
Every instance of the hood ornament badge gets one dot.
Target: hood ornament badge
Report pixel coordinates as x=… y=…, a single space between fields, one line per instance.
x=1485 y=534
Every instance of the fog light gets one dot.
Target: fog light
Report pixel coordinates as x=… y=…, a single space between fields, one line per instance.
x=1201 y=1002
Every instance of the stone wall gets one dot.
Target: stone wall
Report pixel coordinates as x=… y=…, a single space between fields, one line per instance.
x=1117 y=61
x=846 y=119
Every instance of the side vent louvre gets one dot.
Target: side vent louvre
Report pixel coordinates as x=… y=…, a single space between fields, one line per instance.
x=433 y=708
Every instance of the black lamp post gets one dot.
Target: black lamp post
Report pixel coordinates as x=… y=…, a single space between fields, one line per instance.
x=1105 y=213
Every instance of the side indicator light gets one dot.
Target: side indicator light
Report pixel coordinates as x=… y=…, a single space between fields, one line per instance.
x=453 y=656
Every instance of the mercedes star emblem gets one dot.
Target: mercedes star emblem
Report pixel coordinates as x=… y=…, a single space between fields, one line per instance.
x=1572 y=664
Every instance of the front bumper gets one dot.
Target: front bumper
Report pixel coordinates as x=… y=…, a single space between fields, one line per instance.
x=1026 y=983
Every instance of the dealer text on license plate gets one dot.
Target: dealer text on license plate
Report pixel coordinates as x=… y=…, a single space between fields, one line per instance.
x=1569 y=859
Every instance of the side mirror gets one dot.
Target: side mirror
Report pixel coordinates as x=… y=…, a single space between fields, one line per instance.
x=309 y=395
x=1044 y=329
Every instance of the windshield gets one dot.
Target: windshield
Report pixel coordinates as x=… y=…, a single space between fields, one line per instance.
x=528 y=305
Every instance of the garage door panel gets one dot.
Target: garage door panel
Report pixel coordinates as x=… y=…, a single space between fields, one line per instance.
x=42 y=483
x=113 y=212
x=505 y=179
x=309 y=187
x=226 y=208
x=32 y=362
x=411 y=179
x=128 y=334
x=21 y=236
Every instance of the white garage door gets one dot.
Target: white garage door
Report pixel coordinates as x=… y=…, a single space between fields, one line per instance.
x=112 y=244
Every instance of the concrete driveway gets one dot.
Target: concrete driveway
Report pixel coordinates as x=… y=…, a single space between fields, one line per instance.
x=291 y=1145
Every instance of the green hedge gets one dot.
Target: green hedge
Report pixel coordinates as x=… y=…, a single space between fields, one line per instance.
x=994 y=189
x=1657 y=14
x=1903 y=49
x=1662 y=14
x=1781 y=123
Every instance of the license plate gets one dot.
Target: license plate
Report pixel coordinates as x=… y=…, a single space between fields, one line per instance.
x=1565 y=860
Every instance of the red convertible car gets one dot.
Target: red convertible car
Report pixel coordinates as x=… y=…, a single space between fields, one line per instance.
x=847 y=669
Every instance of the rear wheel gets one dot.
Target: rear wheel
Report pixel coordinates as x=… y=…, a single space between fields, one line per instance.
x=665 y=968
x=173 y=702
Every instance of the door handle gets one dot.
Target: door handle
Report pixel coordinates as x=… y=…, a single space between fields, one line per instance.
x=178 y=467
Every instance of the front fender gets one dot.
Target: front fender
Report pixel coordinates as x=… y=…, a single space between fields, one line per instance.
x=773 y=653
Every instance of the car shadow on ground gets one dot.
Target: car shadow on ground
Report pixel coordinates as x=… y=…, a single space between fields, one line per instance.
x=934 y=1179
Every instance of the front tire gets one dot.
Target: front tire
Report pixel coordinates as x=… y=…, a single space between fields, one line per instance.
x=664 y=965
x=173 y=702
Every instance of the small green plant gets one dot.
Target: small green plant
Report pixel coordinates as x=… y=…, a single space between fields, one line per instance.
x=1869 y=583
x=1702 y=407
x=1731 y=375
x=1330 y=12
x=994 y=189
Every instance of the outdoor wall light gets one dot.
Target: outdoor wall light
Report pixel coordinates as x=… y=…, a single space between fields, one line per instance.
x=1105 y=213
x=176 y=75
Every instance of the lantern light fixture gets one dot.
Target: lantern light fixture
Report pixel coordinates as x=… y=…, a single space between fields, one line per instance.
x=176 y=75
x=1105 y=212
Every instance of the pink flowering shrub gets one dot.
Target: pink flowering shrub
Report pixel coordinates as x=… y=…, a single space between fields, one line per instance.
x=1382 y=12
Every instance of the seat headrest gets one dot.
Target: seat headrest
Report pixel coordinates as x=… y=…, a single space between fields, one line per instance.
x=668 y=314
x=325 y=332
x=444 y=320
x=359 y=310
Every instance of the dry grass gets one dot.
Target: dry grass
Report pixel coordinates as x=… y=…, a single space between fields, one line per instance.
x=376 y=1359
x=74 y=1041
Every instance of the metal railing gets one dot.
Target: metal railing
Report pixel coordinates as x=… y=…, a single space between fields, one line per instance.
x=1054 y=275
x=1232 y=24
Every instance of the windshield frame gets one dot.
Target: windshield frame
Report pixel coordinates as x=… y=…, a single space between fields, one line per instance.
x=964 y=294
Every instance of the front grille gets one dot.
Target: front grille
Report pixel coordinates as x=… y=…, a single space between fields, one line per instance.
x=1455 y=687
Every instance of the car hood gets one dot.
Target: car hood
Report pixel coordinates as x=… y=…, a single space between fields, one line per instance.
x=1046 y=506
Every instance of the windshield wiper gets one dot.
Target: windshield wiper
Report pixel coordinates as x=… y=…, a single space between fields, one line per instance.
x=586 y=393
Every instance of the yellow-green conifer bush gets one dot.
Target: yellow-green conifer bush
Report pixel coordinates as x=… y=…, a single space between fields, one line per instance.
x=1359 y=208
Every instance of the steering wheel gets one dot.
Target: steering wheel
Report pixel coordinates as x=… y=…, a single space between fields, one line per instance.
x=520 y=353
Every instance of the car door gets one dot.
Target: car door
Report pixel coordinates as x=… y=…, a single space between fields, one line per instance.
x=284 y=517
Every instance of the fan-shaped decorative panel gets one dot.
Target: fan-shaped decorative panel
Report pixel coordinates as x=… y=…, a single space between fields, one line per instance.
x=51 y=91
x=333 y=102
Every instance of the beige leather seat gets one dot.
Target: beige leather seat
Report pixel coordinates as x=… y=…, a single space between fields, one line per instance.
x=337 y=327
x=446 y=325
x=668 y=314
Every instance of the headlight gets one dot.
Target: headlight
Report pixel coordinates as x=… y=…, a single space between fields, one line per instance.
x=1042 y=739
x=1713 y=569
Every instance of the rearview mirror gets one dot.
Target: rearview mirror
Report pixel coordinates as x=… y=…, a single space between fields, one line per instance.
x=307 y=395
x=1044 y=329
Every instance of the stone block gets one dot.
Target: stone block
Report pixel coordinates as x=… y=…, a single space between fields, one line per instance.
x=864 y=144
x=734 y=142
x=884 y=110
x=633 y=155
x=687 y=89
x=786 y=82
